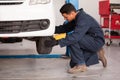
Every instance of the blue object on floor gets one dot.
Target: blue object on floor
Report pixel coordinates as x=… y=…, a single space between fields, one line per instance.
x=31 y=56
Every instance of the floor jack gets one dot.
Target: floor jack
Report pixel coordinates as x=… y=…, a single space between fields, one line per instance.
x=67 y=54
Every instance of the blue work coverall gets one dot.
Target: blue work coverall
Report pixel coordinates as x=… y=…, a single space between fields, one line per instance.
x=85 y=41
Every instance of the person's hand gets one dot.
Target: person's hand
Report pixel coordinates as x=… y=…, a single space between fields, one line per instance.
x=59 y=36
x=51 y=43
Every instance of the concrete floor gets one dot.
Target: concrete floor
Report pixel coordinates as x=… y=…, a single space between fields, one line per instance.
x=53 y=69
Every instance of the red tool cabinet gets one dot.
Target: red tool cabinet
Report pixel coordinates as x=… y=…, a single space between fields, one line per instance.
x=110 y=20
x=115 y=23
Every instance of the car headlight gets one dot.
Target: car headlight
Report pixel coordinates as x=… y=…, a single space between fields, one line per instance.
x=33 y=2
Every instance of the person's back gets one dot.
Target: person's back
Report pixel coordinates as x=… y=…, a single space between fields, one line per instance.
x=94 y=27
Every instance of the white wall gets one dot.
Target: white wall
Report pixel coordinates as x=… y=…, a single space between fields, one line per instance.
x=114 y=1
x=57 y=5
x=89 y=6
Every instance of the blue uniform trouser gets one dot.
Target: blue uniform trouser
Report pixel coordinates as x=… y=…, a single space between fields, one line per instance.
x=85 y=51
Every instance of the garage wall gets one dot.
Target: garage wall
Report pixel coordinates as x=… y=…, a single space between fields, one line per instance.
x=58 y=16
x=115 y=1
x=91 y=7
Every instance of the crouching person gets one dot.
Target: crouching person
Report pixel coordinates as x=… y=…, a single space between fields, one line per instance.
x=85 y=41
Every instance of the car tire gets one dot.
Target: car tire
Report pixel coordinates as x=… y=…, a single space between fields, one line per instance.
x=40 y=45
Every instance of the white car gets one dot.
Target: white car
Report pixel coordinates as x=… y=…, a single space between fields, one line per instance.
x=30 y=19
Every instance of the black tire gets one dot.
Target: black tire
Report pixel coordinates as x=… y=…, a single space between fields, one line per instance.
x=119 y=44
x=40 y=46
x=108 y=44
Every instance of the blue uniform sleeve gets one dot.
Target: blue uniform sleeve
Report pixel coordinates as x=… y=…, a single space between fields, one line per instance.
x=65 y=28
x=80 y=30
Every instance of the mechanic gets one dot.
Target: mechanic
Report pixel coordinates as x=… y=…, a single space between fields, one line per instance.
x=84 y=42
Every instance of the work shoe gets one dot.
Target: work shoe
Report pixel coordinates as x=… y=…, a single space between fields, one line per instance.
x=76 y=69
x=101 y=55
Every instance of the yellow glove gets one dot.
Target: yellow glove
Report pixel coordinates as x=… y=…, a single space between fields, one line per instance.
x=59 y=36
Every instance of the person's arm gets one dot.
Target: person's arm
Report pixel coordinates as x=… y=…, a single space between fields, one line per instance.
x=78 y=33
x=65 y=28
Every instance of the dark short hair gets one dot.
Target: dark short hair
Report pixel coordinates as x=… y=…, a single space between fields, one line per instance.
x=67 y=8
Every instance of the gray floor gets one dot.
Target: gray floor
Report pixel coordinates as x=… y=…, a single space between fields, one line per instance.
x=53 y=69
